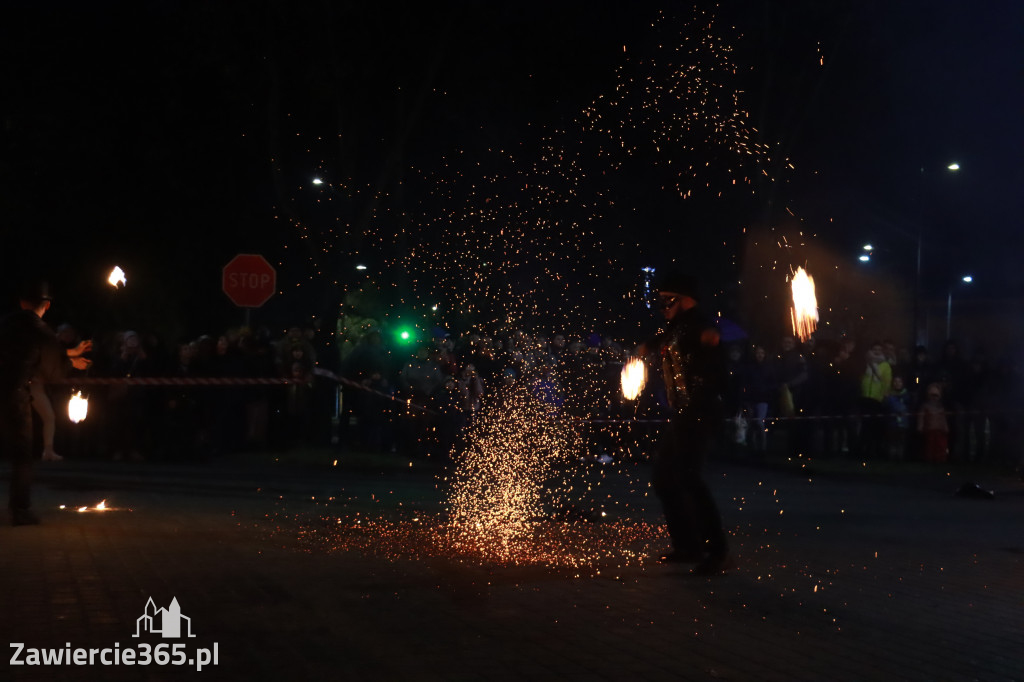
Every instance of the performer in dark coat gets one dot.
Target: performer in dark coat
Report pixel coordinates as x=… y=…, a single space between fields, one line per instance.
x=694 y=373
x=29 y=351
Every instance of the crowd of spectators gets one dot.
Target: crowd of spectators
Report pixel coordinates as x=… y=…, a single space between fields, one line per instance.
x=828 y=398
x=836 y=398
x=191 y=419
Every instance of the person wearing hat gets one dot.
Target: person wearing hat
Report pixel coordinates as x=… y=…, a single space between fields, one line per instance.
x=29 y=352
x=693 y=368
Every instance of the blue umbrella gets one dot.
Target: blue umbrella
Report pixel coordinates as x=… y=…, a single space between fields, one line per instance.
x=730 y=331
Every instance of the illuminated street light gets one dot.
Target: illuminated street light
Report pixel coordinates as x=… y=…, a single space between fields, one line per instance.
x=864 y=258
x=868 y=247
x=360 y=267
x=966 y=279
x=317 y=181
x=952 y=167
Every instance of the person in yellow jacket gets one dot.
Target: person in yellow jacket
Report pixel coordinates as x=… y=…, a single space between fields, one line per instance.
x=875 y=384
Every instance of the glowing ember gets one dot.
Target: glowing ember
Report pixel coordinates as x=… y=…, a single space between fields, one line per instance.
x=805 y=305
x=78 y=407
x=634 y=378
x=117 y=277
x=100 y=507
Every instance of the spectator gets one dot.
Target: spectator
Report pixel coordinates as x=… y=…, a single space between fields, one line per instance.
x=419 y=380
x=758 y=388
x=471 y=390
x=897 y=406
x=793 y=375
x=299 y=407
x=376 y=413
x=129 y=409
x=933 y=425
x=951 y=373
x=875 y=383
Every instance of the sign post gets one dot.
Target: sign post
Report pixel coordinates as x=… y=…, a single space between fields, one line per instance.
x=249 y=281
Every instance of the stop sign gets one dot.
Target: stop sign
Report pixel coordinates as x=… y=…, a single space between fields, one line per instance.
x=249 y=280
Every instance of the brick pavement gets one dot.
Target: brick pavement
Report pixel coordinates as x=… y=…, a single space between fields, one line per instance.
x=839 y=578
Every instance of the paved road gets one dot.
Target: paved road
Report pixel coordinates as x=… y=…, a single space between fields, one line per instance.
x=840 y=577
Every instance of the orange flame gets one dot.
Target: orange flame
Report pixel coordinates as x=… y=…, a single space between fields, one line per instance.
x=634 y=378
x=804 y=314
x=117 y=277
x=78 y=407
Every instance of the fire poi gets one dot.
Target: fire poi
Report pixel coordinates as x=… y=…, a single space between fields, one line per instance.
x=805 y=305
x=117 y=277
x=78 y=407
x=634 y=378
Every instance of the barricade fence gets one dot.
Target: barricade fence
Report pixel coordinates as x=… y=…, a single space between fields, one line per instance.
x=83 y=382
x=355 y=417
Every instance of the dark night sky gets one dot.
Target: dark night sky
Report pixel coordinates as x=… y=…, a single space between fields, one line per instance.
x=144 y=136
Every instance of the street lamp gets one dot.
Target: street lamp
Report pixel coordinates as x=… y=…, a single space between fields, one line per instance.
x=951 y=167
x=966 y=279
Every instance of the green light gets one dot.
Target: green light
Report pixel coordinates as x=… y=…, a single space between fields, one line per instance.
x=404 y=335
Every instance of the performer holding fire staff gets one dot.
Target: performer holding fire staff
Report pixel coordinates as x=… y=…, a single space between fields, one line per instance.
x=29 y=352
x=694 y=372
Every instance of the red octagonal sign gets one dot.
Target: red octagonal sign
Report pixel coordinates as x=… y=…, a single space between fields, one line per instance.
x=249 y=280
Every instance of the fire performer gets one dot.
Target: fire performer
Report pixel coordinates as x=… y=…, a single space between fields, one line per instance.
x=29 y=352
x=693 y=370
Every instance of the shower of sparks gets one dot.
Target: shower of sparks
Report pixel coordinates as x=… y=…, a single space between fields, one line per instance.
x=805 y=305
x=634 y=378
x=502 y=487
x=586 y=548
x=523 y=235
x=78 y=407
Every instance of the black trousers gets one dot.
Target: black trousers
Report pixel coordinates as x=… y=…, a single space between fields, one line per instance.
x=691 y=514
x=16 y=445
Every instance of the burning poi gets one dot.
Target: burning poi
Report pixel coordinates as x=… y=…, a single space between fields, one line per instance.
x=78 y=407
x=805 y=305
x=117 y=277
x=634 y=377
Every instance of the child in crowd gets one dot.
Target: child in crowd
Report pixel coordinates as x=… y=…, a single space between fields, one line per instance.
x=897 y=406
x=933 y=425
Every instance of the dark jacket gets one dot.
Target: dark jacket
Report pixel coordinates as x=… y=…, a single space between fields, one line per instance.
x=694 y=372
x=28 y=349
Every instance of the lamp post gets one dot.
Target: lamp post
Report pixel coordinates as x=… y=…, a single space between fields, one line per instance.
x=966 y=279
x=952 y=168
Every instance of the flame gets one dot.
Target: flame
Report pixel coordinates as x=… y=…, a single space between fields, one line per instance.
x=805 y=305
x=634 y=377
x=78 y=407
x=102 y=506
x=117 y=277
